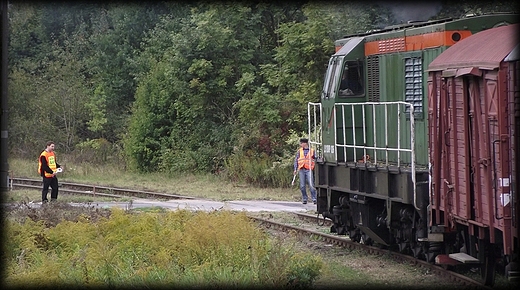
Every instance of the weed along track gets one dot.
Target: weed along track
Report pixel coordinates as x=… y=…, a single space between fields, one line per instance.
x=309 y=223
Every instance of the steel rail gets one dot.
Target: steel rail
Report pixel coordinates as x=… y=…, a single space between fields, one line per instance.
x=345 y=242
x=95 y=190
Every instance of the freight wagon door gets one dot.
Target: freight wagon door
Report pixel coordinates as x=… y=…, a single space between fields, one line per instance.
x=482 y=94
x=493 y=195
x=478 y=148
x=467 y=116
x=454 y=147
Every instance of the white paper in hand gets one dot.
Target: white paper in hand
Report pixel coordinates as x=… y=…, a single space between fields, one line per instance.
x=59 y=170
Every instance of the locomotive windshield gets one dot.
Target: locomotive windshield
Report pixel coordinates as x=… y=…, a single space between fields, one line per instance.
x=342 y=73
x=346 y=79
x=352 y=79
x=331 y=77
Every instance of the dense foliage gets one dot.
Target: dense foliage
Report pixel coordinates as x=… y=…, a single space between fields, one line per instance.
x=173 y=86
x=93 y=248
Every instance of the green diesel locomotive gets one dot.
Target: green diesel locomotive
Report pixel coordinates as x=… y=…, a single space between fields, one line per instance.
x=371 y=133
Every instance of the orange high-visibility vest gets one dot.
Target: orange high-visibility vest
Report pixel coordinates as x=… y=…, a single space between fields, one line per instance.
x=51 y=161
x=305 y=161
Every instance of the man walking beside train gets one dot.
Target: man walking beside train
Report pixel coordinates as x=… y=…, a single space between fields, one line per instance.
x=304 y=164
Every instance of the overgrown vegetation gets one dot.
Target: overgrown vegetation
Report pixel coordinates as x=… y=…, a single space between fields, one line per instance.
x=83 y=247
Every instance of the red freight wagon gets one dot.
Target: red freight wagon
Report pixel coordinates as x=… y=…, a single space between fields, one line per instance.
x=474 y=129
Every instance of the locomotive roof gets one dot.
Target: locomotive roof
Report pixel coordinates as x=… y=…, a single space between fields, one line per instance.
x=473 y=23
x=410 y=24
x=484 y=50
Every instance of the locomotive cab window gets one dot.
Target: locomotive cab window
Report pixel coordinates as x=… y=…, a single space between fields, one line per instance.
x=351 y=83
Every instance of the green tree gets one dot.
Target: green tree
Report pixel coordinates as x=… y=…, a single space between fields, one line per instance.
x=47 y=82
x=97 y=109
x=52 y=106
x=188 y=98
x=269 y=114
x=118 y=31
x=26 y=36
x=273 y=115
x=67 y=91
x=64 y=50
x=451 y=9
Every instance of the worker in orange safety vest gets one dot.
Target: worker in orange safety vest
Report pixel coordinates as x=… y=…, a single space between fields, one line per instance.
x=47 y=168
x=304 y=164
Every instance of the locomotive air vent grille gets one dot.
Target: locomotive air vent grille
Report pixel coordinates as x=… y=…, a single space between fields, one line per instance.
x=373 y=78
x=413 y=85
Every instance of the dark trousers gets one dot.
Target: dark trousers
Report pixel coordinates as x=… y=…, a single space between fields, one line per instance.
x=53 y=183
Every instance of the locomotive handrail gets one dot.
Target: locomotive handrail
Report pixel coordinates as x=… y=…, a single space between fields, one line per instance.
x=409 y=110
x=315 y=124
x=376 y=148
x=315 y=131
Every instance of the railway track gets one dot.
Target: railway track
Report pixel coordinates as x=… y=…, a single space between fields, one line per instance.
x=94 y=190
x=345 y=242
x=114 y=192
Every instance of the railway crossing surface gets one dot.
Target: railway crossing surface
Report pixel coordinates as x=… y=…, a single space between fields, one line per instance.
x=211 y=205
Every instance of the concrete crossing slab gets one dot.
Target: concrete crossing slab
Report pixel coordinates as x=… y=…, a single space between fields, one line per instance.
x=210 y=205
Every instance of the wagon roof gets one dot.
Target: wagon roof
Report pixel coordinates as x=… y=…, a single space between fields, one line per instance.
x=484 y=50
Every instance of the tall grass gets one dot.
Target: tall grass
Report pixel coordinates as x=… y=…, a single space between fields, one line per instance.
x=197 y=185
x=174 y=249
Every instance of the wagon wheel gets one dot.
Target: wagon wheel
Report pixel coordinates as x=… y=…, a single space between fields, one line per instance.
x=355 y=235
x=488 y=260
x=365 y=239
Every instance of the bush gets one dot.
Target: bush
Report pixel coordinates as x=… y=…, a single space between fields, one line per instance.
x=97 y=151
x=260 y=170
